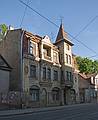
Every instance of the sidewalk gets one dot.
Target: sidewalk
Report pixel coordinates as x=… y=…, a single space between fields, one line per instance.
x=34 y=110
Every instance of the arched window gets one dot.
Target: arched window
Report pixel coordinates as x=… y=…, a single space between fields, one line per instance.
x=34 y=92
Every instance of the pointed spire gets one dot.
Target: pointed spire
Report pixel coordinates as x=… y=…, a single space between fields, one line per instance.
x=62 y=35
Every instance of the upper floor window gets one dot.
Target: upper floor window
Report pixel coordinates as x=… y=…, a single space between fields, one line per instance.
x=33 y=71
x=55 y=57
x=32 y=48
x=69 y=76
x=66 y=58
x=44 y=73
x=69 y=59
x=67 y=47
x=49 y=74
x=55 y=75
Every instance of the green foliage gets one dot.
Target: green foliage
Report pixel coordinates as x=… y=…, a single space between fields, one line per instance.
x=86 y=65
x=3 y=30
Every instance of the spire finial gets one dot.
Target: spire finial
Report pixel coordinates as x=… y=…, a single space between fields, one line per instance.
x=61 y=19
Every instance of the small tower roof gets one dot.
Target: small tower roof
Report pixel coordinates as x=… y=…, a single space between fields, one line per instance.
x=62 y=36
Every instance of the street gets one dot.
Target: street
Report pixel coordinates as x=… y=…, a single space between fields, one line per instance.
x=74 y=112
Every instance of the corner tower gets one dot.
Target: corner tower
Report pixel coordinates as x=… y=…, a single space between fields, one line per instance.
x=65 y=54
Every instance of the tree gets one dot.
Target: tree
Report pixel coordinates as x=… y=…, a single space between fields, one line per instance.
x=86 y=65
x=3 y=30
x=95 y=66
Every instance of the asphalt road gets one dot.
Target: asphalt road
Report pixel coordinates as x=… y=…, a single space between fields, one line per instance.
x=76 y=112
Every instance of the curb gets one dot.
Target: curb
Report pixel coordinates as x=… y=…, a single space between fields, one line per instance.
x=30 y=111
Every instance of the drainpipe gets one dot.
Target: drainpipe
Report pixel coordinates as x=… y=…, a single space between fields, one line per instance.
x=21 y=67
x=21 y=61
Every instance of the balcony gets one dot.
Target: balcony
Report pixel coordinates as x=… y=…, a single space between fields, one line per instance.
x=47 y=57
x=67 y=83
x=47 y=52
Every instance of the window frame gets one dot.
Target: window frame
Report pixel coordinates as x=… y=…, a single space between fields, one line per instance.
x=44 y=73
x=33 y=70
x=55 y=75
x=49 y=73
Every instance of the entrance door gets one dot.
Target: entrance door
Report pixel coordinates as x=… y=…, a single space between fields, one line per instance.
x=44 y=97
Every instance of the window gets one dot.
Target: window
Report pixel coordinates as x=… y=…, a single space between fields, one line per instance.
x=67 y=46
x=34 y=94
x=44 y=73
x=55 y=57
x=55 y=75
x=32 y=48
x=69 y=59
x=33 y=71
x=49 y=74
x=55 y=94
x=46 y=50
x=69 y=76
x=66 y=58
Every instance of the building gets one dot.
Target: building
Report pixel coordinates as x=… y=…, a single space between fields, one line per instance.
x=45 y=72
x=5 y=70
x=75 y=78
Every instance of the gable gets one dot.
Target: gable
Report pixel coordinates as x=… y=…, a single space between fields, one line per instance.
x=46 y=39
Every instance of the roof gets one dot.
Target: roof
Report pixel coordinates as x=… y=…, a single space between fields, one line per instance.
x=87 y=77
x=62 y=36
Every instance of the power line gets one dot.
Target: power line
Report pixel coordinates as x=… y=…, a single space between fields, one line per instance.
x=39 y=13
x=92 y=20
x=24 y=14
x=58 y=26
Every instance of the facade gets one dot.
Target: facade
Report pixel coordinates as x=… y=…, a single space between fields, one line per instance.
x=87 y=91
x=5 y=70
x=65 y=55
x=41 y=69
x=75 y=78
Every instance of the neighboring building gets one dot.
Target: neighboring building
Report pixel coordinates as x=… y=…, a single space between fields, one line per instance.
x=75 y=78
x=5 y=70
x=93 y=78
x=84 y=89
x=87 y=91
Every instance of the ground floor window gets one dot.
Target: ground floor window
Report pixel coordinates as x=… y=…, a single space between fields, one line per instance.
x=34 y=92
x=55 y=94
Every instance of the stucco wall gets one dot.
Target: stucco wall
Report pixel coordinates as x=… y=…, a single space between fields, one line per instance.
x=10 y=50
x=4 y=81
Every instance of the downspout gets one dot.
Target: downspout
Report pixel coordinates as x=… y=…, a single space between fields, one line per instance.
x=21 y=61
